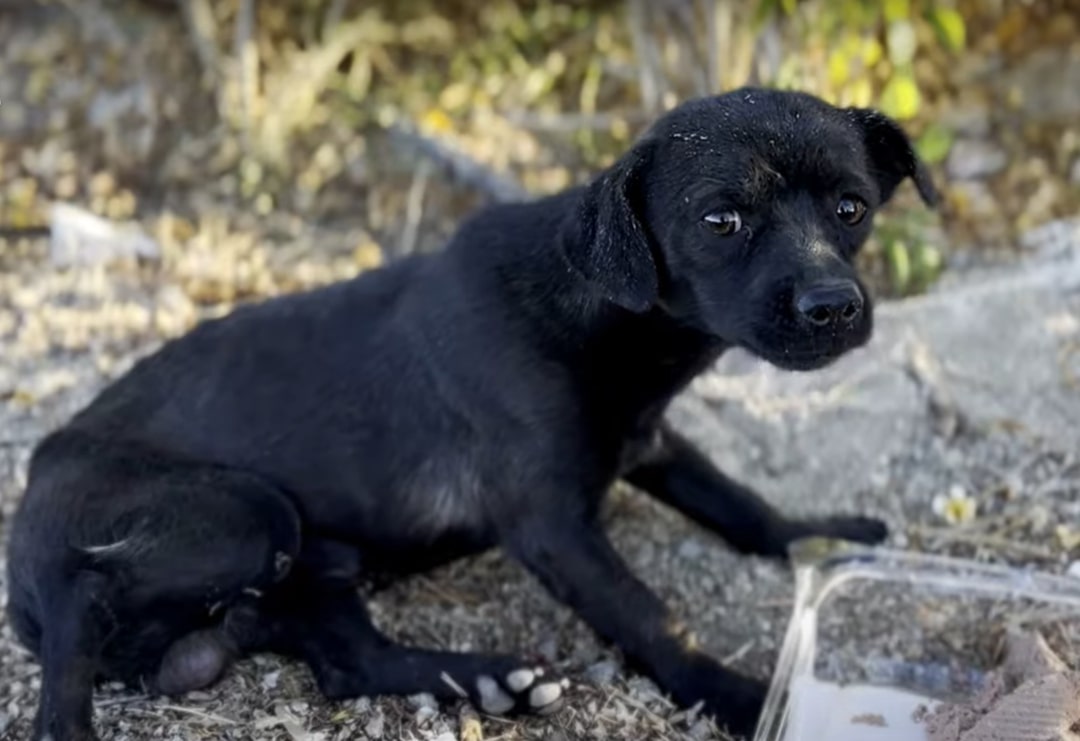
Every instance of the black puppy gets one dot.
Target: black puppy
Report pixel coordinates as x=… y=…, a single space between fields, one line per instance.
x=232 y=491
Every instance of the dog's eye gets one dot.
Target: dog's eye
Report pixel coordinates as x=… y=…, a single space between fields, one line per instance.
x=724 y=223
x=851 y=210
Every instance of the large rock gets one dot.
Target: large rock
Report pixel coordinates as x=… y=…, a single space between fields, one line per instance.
x=1000 y=347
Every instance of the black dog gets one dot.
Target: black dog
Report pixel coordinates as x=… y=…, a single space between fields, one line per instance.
x=232 y=491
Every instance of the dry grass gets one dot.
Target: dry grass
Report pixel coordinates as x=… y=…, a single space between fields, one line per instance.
x=295 y=158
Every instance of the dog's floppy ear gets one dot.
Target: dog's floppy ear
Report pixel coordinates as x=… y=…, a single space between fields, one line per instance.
x=605 y=240
x=891 y=155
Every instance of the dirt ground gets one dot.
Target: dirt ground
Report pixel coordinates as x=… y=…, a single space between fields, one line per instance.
x=88 y=324
x=88 y=119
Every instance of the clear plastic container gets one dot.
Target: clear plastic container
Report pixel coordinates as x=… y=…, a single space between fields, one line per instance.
x=876 y=633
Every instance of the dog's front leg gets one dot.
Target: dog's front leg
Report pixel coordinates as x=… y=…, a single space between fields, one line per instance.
x=676 y=472
x=578 y=565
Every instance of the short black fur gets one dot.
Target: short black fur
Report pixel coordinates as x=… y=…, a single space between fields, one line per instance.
x=231 y=492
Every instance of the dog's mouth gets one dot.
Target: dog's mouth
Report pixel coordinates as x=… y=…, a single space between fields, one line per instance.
x=811 y=351
x=796 y=360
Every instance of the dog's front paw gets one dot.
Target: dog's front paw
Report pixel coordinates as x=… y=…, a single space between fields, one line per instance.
x=738 y=715
x=867 y=530
x=783 y=533
x=732 y=700
x=521 y=690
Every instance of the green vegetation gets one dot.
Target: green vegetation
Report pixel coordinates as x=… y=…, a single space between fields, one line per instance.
x=301 y=105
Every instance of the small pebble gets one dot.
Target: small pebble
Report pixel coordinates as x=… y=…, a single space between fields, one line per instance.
x=702 y=730
x=423 y=700
x=270 y=680
x=424 y=714
x=376 y=726
x=549 y=650
x=602 y=672
x=690 y=549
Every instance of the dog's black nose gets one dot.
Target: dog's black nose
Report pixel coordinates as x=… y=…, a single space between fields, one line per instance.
x=830 y=302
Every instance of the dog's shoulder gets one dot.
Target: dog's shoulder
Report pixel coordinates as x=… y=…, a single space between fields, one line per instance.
x=503 y=231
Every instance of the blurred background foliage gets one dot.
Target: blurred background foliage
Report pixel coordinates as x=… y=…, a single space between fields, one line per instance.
x=400 y=115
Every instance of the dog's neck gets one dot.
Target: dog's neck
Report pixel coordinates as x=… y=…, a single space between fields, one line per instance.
x=644 y=360
x=635 y=361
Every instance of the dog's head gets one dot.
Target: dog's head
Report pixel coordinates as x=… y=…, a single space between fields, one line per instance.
x=742 y=214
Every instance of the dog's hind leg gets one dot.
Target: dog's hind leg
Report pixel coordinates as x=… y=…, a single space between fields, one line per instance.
x=330 y=629
x=69 y=650
x=211 y=548
x=162 y=569
x=677 y=473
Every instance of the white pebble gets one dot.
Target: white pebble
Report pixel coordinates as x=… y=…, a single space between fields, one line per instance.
x=423 y=700
x=270 y=680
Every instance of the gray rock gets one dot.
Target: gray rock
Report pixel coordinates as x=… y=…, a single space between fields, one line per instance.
x=970 y=159
x=1001 y=347
x=1054 y=239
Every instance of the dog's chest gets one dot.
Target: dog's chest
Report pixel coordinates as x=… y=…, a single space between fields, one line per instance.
x=444 y=494
x=639 y=447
